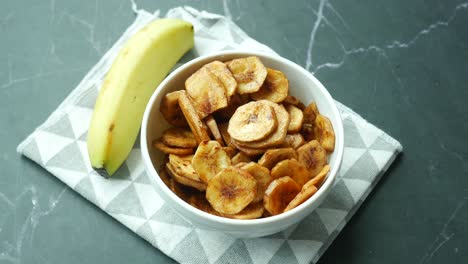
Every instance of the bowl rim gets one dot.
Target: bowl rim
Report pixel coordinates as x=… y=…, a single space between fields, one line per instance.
x=323 y=190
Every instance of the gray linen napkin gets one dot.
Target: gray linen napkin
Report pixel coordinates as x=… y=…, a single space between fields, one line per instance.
x=59 y=145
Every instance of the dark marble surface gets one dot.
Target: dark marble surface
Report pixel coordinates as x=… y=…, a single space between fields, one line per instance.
x=400 y=64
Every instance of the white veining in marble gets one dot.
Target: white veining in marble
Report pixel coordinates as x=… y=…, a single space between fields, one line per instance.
x=313 y=33
x=12 y=250
x=444 y=236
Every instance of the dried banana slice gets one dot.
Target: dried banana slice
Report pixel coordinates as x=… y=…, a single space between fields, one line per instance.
x=306 y=193
x=294 y=140
x=308 y=131
x=310 y=113
x=191 y=181
x=252 y=211
x=209 y=160
x=222 y=72
x=320 y=177
x=197 y=126
x=313 y=156
x=252 y=122
x=223 y=129
x=292 y=168
x=277 y=137
x=199 y=201
x=230 y=151
x=206 y=91
x=171 y=150
x=273 y=156
x=231 y=190
x=211 y=123
x=249 y=72
x=297 y=117
x=251 y=152
x=279 y=194
x=171 y=111
x=240 y=157
x=262 y=175
x=236 y=101
x=275 y=88
x=179 y=137
x=294 y=101
x=325 y=133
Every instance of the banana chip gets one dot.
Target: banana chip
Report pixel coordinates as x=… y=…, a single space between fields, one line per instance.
x=296 y=116
x=313 y=156
x=294 y=140
x=171 y=111
x=182 y=179
x=251 y=152
x=249 y=72
x=310 y=113
x=206 y=91
x=171 y=150
x=279 y=194
x=275 y=88
x=278 y=136
x=325 y=133
x=209 y=160
x=221 y=71
x=262 y=175
x=199 y=201
x=213 y=126
x=306 y=193
x=294 y=101
x=165 y=177
x=240 y=157
x=308 y=132
x=179 y=137
x=223 y=129
x=273 y=156
x=235 y=101
x=320 y=177
x=231 y=190
x=252 y=211
x=252 y=122
x=230 y=151
x=292 y=167
x=196 y=124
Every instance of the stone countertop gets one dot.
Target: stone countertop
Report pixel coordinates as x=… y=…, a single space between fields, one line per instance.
x=400 y=64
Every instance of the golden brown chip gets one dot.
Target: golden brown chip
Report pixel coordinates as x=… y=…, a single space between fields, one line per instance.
x=308 y=131
x=277 y=137
x=213 y=126
x=197 y=126
x=179 y=137
x=223 y=127
x=320 y=177
x=262 y=175
x=275 y=88
x=325 y=133
x=251 y=152
x=191 y=182
x=230 y=151
x=296 y=117
x=294 y=101
x=292 y=168
x=279 y=194
x=252 y=122
x=252 y=211
x=236 y=101
x=171 y=111
x=221 y=71
x=199 y=201
x=249 y=72
x=206 y=91
x=310 y=113
x=240 y=157
x=301 y=197
x=209 y=160
x=273 y=156
x=171 y=150
x=312 y=156
x=294 y=140
x=231 y=190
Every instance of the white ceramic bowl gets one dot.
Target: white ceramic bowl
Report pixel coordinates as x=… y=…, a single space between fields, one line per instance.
x=302 y=84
